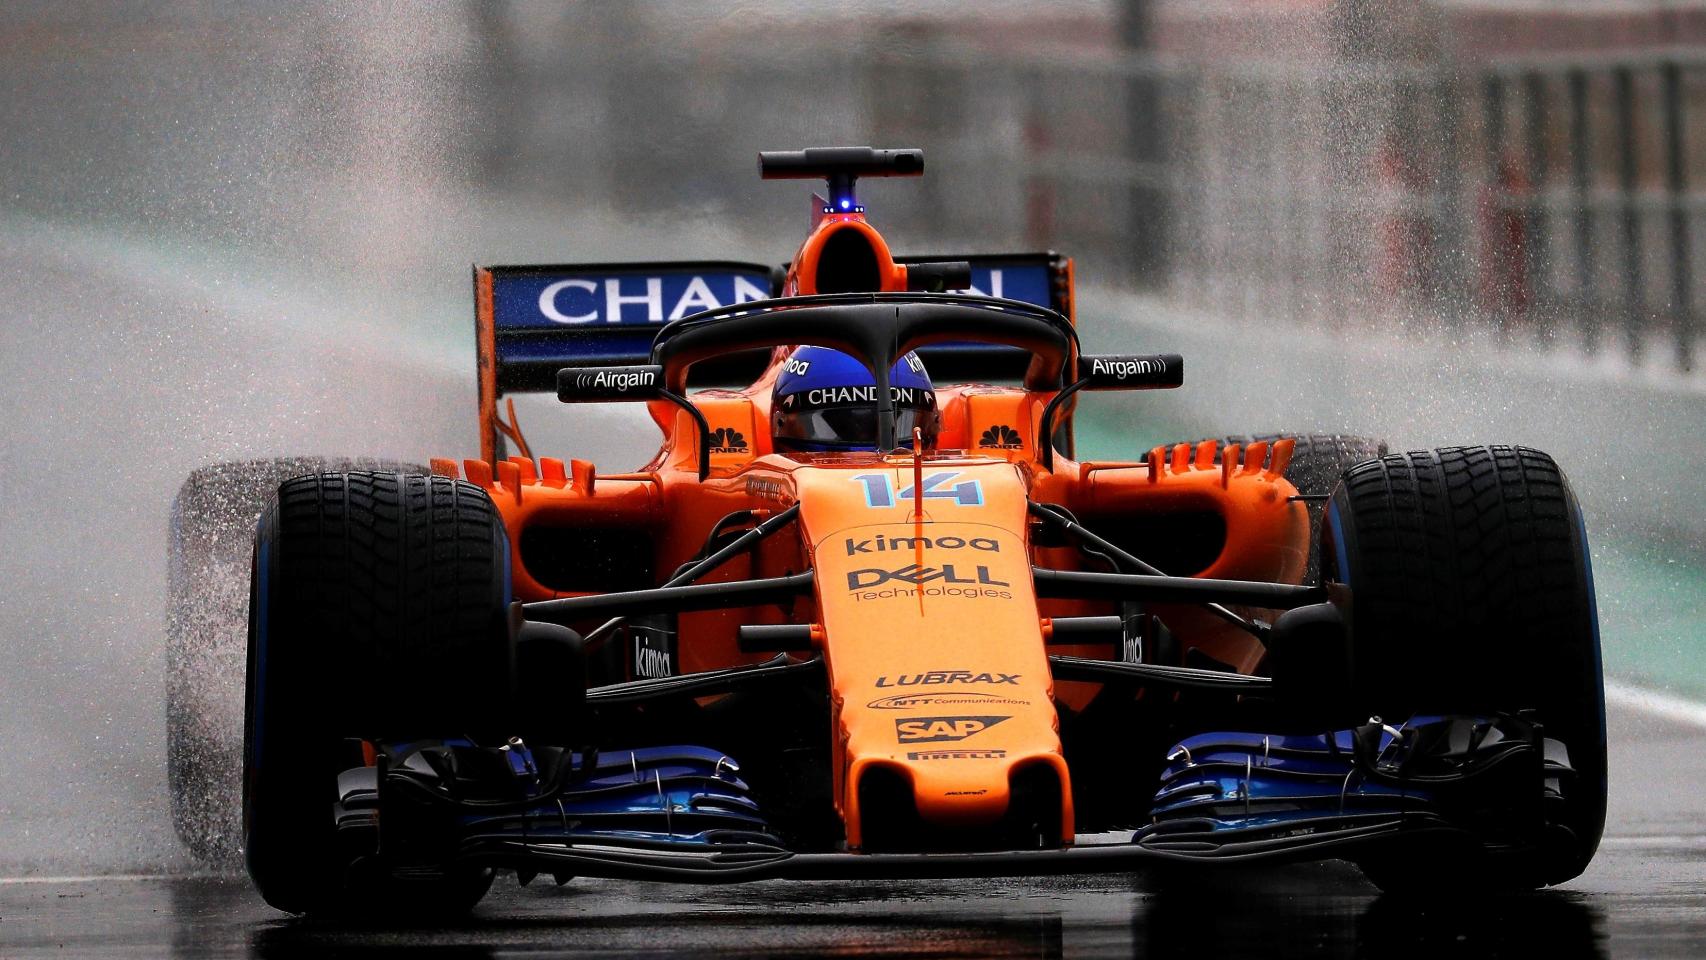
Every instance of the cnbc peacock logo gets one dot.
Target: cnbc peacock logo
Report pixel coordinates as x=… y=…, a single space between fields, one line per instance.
x=727 y=440
x=1001 y=437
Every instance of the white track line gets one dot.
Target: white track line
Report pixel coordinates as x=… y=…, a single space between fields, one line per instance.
x=1655 y=703
x=91 y=878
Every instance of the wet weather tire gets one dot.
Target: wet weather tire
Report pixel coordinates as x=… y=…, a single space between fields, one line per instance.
x=1472 y=593
x=211 y=538
x=378 y=610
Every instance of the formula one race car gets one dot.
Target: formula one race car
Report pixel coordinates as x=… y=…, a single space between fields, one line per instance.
x=855 y=622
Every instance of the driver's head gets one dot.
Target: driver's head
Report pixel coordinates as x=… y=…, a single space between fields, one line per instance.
x=826 y=400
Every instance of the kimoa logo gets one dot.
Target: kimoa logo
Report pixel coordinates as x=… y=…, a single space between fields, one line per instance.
x=942 y=729
x=1001 y=437
x=652 y=664
x=918 y=576
x=882 y=544
x=727 y=440
x=615 y=379
x=931 y=678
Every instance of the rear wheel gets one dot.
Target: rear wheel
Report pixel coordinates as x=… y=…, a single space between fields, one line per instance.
x=1472 y=593
x=378 y=609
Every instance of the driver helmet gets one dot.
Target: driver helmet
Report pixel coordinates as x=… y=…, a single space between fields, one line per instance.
x=825 y=400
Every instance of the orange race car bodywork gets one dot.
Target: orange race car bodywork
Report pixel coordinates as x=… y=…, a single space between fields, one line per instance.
x=934 y=639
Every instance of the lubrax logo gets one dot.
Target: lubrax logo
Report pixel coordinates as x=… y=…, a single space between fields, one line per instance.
x=944 y=581
x=932 y=678
x=618 y=379
x=1001 y=437
x=942 y=729
x=727 y=440
x=882 y=544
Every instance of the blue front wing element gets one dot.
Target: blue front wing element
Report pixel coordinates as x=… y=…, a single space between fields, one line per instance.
x=686 y=798
x=1228 y=794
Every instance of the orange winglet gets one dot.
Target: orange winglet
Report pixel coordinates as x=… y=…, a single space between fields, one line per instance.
x=1228 y=464
x=1254 y=454
x=1205 y=454
x=525 y=466
x=509 y=477
x=585 y=474
x=1156 y=456
x=1181 y=458
x=1281 y=458
x=551 y=473
x=478 y=472
x=443 y=467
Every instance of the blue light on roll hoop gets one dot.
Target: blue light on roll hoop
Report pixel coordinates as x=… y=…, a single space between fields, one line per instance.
x=846 y=203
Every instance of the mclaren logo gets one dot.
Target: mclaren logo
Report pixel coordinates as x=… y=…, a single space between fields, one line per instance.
x=942 y=729
x=1001 y=437
x=727 y=440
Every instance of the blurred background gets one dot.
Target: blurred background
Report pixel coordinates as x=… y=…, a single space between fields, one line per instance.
x=242 y=229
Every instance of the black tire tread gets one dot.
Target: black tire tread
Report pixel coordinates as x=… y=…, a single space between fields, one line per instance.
x=385 y=617
x=1471 y=593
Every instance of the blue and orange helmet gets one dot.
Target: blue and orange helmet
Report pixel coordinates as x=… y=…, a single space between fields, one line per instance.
x=827 y=401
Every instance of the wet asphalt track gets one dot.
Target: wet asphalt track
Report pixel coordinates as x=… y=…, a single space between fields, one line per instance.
x=1644 y=896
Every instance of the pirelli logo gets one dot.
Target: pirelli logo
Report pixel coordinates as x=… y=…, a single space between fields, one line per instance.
x=956 y=755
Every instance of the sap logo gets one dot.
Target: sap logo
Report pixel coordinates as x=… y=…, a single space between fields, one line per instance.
x=942 y=729
x=727 y=440
x=938 y=677
x=882 y=544
x=618 y=379
x=918 y=576
x=583 y=300
x=1001 y=437
x=796 y=367
x=1119 y=369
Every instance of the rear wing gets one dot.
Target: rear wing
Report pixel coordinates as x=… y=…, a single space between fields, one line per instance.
x=530 y=321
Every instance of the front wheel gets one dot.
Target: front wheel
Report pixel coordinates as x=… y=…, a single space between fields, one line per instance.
x=1472 y=593
x=377 y=609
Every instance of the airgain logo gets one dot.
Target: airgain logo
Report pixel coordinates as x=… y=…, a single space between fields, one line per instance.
x=942 y=729
x=727 y=440
x=1001 y=437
